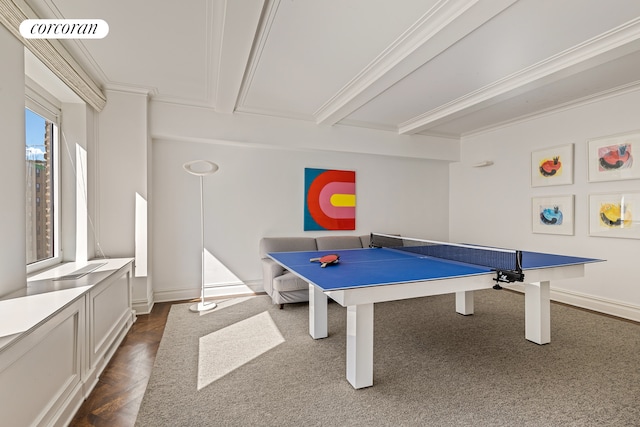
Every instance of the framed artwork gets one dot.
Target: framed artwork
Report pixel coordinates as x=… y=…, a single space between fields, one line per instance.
x=611 y=158
x=552 y=215
x=615 y=215
x=329 y=199
x=552 y=166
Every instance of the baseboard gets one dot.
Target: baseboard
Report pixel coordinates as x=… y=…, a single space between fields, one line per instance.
x=142 y=306
x=589 y=302
x=252 y=287
x=247 y=288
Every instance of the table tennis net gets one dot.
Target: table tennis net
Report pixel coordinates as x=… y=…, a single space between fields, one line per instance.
x=497 y=259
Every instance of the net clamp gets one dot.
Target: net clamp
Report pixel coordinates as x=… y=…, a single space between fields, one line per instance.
x=507 y=276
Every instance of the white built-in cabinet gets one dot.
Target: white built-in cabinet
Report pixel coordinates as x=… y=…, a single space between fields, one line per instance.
x=56 y=337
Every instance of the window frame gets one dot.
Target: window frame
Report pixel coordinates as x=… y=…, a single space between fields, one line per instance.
x=39 y=101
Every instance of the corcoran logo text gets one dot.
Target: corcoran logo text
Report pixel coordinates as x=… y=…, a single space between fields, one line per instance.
x=64 y=28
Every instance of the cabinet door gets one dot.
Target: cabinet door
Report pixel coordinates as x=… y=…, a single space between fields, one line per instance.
x=40 y=375
x=110 y=317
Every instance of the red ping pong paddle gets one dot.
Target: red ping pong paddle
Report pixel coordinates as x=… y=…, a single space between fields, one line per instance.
x=326 y=260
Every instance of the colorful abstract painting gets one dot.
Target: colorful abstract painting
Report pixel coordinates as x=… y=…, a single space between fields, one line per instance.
x=611 y=158
x=552 y=166
x=615 y=215
x=553 y=215
x=329 y=199
x=614 y=157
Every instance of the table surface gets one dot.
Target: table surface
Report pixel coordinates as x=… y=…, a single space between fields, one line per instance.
x=382 y=266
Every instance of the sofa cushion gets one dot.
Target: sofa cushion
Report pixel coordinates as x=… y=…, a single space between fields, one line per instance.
x=286 y=244
x=327 y=243
x=289 y=282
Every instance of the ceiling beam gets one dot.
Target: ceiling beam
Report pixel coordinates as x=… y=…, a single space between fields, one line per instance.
x=241 y=20
x=605 y=47
x=445 y=24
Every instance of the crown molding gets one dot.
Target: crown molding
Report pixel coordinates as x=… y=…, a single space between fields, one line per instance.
x=135 y=90
x=52 y=54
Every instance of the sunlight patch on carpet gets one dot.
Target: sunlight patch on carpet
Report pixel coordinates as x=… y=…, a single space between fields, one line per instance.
x=222 y=351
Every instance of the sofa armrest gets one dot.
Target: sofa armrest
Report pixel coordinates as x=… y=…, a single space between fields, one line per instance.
x=270 y=270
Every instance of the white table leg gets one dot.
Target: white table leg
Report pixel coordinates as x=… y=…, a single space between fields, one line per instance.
x=464 y=302
x=537 y=311
x=360 y=345
x=317 y=313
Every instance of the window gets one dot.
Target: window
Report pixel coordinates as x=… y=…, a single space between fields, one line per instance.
x=41 y=185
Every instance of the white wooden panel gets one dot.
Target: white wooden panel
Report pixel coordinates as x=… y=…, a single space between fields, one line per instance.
x=109 y=318
x=45 y=369
x=110 y=303
x=40 y=374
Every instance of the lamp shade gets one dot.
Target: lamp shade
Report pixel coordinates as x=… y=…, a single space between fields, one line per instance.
x=200 y=167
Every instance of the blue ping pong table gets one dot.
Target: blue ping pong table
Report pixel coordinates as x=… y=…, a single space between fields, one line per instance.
x=364 y=277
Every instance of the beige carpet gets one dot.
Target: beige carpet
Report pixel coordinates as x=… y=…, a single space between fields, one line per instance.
x=247 y=363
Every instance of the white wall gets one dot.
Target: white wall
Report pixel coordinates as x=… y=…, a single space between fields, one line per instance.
x=259 y=191
x=121 y=159
x=75 y=168
x=122 y=170
x=492 y=205
x=197 y=124
x=12 y=164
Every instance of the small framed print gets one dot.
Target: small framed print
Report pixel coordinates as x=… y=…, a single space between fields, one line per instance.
x=552 y=166
x=552 y=215
x=615 y=215
x=611 y=158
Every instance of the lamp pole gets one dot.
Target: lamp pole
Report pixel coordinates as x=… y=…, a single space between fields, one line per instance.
x=201 y=168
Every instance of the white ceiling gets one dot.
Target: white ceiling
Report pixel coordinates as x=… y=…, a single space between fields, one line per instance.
x=439 y=67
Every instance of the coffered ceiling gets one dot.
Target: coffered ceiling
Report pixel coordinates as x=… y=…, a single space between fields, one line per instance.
x=438 y=67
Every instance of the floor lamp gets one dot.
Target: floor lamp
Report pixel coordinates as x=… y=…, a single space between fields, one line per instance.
x=201 y=168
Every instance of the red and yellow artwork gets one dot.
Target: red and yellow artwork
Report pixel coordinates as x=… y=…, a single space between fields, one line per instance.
x=330 y=199
x=615 y=215
x=614 y=157
x=550 y=167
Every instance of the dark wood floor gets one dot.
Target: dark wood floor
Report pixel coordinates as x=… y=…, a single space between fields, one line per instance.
x=116 y=398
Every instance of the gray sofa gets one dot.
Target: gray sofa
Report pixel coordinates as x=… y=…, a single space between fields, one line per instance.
x=285 y=287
